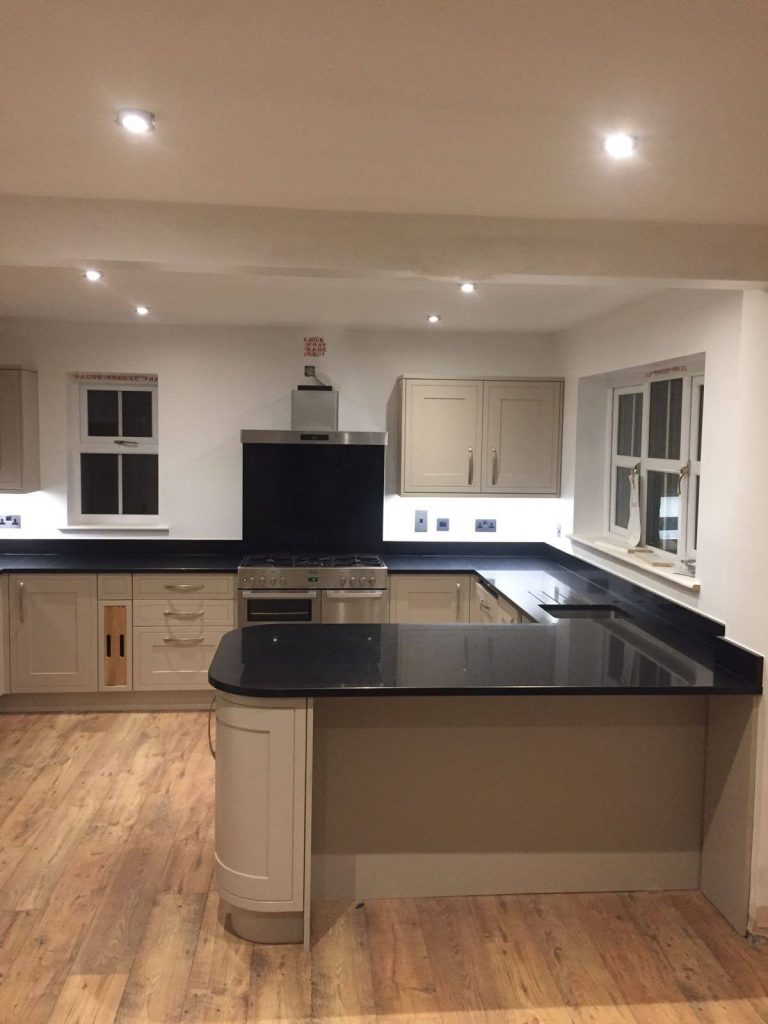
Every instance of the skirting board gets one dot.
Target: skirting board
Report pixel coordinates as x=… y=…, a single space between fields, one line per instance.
x=170 y=700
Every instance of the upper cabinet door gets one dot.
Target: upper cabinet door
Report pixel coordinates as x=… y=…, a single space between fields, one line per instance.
x=442 y=431
x=19 y=445
x=522 y=435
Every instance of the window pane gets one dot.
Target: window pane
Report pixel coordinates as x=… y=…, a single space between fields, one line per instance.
x=701 y=420
x=98 y=484
x=102 y=414
x=140 y=485
x=621 y=504
x=137 y=414
x=665 y=419
x=663 y=511
x=630 y=421
x=696 y=514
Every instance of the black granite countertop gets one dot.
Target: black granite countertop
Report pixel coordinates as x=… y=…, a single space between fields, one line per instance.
x=571 y=657
x=110 y=563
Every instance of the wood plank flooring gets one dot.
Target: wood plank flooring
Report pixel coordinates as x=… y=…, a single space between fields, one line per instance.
x=107 y=916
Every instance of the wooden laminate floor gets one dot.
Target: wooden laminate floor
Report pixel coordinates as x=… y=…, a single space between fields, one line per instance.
x=107 y=915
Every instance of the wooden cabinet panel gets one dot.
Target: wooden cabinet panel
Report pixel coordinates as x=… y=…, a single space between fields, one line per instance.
x=483 y=606
x=442 y=431
x=173 y=658
x=115 y=586
x=429 y=598
x=187 y=585
x=4 y=639
x=522 y=437
x=175 y=612
x=19 y=431
x=115 y=645
x=53 y=633
x=509 y=613
x=260 y=801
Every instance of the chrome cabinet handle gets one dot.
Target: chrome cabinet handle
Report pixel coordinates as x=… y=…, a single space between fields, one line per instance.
x=21 y=601
x=184 y=615
x=495 y=471
x=471 y=473
x=181 y=640
x=183 y=586
x=486 y=606
x=458 y=601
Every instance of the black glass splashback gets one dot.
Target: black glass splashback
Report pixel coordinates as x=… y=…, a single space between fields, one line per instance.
x=303 y=498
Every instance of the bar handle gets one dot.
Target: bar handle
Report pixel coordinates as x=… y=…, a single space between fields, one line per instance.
x=495 y=470
x=184 y=615
x=471 y=470
x=183 y=640
x=183 y=586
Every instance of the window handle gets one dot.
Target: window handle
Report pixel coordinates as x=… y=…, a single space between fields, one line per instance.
x=684 y=472
x=128 y=444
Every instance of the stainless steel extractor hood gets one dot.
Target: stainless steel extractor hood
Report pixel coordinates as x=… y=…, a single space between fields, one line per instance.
x=313 y=437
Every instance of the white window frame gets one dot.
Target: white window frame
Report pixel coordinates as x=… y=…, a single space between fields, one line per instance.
x=81 y=443
x=690 y=467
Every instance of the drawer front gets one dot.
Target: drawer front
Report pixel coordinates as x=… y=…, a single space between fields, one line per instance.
x=187 y=585
x=175 y=612
x=115 y=586
x=176 y=660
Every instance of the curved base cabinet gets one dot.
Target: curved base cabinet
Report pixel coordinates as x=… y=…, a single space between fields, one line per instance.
x=262 y=814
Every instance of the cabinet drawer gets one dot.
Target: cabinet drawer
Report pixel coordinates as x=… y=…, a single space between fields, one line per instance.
x=178 y=612
x=184 y=585
x=175 y=660
x=114 y=586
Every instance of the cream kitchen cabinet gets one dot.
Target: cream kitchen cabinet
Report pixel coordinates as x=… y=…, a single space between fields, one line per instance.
x=53 y=627
x=4 y=652
x=481 y=436
x=483 y=605
x=173 y=658
x=441 y=436
x=522 y=436
x=19 y=430
x=429 y=597
x=509 y=613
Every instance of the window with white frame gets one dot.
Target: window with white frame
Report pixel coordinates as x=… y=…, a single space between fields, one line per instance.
x=114 y=457
x=656 y=461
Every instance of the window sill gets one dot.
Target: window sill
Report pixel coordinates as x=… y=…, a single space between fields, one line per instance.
x=112 y=528
x=639 y=561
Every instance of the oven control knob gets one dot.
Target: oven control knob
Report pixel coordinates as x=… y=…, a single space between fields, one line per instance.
x=272 y=581
x=282 y=581
x=343 y=581
x=261 y=580
x=353 y=580
x=371 y=580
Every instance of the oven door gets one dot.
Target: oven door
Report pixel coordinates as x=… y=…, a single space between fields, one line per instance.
x=272 y=607
x=352 y=606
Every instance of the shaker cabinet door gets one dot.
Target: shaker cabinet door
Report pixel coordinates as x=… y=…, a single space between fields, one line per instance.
x=425 y=598
x=53 y=633
x=522 y=437
x=442 y=429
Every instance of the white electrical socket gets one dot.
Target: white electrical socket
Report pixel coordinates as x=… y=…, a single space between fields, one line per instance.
x=10 y=522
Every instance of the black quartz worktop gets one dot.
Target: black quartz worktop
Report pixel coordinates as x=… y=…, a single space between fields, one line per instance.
x=53 y=562
x=574 y=657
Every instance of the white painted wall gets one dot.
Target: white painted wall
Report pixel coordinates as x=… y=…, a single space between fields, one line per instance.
x=731 y=328
x=215 y=381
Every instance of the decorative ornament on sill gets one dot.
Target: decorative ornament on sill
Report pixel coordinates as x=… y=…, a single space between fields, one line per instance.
x=634 y=528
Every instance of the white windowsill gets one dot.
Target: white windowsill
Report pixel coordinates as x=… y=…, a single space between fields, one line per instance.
x=112 y=528
x=639 y=561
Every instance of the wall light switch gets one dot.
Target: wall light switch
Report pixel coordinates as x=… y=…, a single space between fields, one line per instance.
x=10 y=522
x=420 y=524
x=443 y=525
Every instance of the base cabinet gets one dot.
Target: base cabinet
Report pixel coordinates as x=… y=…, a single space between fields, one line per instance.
x=429 y=598
x=261 y=813
x=53 y=633
x=115 y=645
x=483 y=606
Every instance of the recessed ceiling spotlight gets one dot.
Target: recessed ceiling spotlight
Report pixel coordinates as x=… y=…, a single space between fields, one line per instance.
x=467 y=288
x=433 y=318
x=93 y=275
x=137 y=122
x=620 y=145
x=142 y=310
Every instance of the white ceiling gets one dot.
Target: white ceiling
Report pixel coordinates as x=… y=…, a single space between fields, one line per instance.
x=441 y=107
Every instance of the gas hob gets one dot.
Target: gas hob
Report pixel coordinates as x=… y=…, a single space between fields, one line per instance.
x=320 y=572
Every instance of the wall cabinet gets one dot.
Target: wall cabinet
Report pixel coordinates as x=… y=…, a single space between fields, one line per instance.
x=429 y=598
x=19 y=430
x=53 y=632
x=475 y=436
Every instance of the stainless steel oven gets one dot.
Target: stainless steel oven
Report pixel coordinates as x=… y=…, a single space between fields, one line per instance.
x=270 y=607
x=349 y=606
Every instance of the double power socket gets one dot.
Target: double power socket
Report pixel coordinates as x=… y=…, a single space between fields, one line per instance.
x=10 y=522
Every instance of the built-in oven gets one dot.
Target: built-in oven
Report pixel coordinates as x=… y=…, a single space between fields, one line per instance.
x=270 y=607
x=351 y=606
